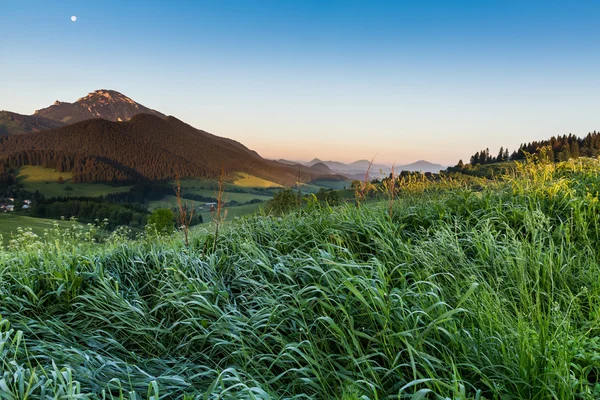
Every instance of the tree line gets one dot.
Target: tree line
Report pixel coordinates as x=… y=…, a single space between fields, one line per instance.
x=90 y=210
x=557 y=148
x=83 y=168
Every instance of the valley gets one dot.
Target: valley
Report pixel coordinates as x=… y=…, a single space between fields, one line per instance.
x=446 y=265
x=244 y=194
x=299 y=200
x=314 y=279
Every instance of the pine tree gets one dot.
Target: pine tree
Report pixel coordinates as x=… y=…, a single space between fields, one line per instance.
x=575 y=149
x=487 y=158
x=500 y=156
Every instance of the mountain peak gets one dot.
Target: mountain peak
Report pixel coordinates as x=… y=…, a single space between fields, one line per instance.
x=103 y=103
x=106 y=96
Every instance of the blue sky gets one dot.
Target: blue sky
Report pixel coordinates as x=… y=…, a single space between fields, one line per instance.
x=344 y=80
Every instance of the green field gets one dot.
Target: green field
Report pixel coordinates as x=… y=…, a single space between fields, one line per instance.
x=171 y=202
x=235 y=212
x=231 y=196
x=45 y=181
x=10 y=222
x=314 y=187
x=232 y=212
x=165 y=202
x=332 y=184
x=233 y=192
x=460 y=288
x=212 y=184
x=249 y=181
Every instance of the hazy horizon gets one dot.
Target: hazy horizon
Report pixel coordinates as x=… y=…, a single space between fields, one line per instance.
x=338 y=81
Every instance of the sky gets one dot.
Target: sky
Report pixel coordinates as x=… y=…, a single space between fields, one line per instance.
x=340 y=80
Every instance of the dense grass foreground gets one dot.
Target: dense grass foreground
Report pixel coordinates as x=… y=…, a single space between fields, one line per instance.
x=459 y=294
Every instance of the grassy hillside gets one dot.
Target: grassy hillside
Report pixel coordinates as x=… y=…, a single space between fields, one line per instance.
x=45 y=180
x=240 y=197
x=235 y=211
x=11 y=222
x=249 y=181
x=327 y=184
x=456 y=293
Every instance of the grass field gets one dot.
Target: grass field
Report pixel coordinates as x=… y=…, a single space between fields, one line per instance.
x=233 y=192
x=212 y=184
x=249 y=181
x=231 y=196
x=242 y=190
x=165 y=202
x=235 y=212
x=331 y=184
x=10 y=222
x=46 y=181
x=449 y=292
x=171 y=202
x=232 y=212
x=314 y=187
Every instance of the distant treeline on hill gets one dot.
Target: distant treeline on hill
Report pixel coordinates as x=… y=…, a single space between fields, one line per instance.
x=87 y=209
x=7 y=175
x=90 y=210
x=93 y=143
x=84 y=168
x=559 y=148
x=144 y=192
x=144 y=148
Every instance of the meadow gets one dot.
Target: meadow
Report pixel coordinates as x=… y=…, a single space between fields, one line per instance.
x=327 y=184
x=454 y=290
x=11 y=222
x=246 y=180
x=45 y=180
x=241 y=188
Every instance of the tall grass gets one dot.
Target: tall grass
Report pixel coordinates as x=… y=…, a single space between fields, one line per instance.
x=461 y=294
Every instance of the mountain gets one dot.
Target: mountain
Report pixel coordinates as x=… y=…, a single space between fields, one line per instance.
x=364 y=164
x=145 y=147
x=421 y=166
x=288 y=162
x=357 y=169
x=331 y=164
x=106 y=104
x=321 y=168
x=15 y=124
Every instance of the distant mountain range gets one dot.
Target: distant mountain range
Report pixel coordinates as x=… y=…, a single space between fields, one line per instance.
x=357 y=169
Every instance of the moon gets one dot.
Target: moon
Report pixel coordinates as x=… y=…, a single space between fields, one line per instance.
x=73 y=18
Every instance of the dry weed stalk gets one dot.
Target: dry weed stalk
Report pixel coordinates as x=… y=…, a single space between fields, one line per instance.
x=360 y=193
x=389 y=186
x=299 y=183
x=186 y=214
x=219 y=213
